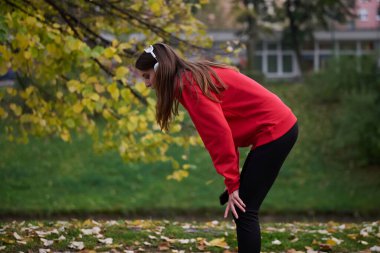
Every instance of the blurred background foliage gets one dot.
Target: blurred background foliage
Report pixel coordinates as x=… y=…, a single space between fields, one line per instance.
x=78 y=132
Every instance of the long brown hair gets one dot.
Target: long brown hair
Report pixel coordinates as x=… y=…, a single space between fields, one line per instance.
x=169 y=71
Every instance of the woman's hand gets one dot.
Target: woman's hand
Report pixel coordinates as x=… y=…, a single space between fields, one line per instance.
x=233 y=200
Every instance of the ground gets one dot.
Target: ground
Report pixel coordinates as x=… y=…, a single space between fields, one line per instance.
x=163 y=235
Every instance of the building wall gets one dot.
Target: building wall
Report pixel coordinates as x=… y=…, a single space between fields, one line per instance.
x=368 y=14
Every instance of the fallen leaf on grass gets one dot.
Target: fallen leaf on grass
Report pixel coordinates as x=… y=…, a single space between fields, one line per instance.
x=186 y=241
x=106 y=241
x=333 y=241
x=325 y=247
x=353 y=236
x=164 y=246
x=17 y=236
x=219 y=242
x=47 y=242
x=375 y=249
x=323 y=232
x=310 y=250
x=152 y=237
x=76 y=245
x=91 y=231
x=293 y=251
x=276 y=242
x=61 y=238
x=167 y=239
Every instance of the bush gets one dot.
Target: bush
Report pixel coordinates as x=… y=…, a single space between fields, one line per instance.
x=355 y=92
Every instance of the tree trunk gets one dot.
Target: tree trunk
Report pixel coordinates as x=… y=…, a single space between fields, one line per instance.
x=251 y=45
x=294 y=34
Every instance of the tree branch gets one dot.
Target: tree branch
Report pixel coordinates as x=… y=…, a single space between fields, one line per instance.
x=109 y=72
x=125 y=14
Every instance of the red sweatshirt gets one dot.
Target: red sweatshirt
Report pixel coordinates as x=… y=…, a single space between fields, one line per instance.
x=248 y=114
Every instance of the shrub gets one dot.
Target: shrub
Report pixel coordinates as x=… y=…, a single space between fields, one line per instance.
x=353 y=86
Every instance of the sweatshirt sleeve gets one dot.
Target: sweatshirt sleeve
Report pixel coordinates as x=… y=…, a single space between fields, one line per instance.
x=215 y=133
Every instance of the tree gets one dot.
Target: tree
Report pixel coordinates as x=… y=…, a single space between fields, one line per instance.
x=305 y=16
x=259 y=17
x=72 y=62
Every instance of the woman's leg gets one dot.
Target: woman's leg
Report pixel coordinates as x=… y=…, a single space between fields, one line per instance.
x=258 y=174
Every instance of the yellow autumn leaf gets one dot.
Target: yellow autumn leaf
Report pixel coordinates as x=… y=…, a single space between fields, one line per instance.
x=114 y=91
x=125 y=94
x=27 y=55
x=99 y=88
x=59 y=94
x=123 y=46
x=218 y=242
x=94 y=96
x=331 y=242
x=143 y=125
x=123 y=110
x=136 y=6
x=78 y=107
x=30 y=20
x=175 y=128
x=92 y=79
x=73 y=85
x=65 y=135
x=155 y=6
x=75 y=45
x=117 y=58
x=3 y=67
x=115 y=43
x=5 y=54
x=22 y=41
x=142 y=89
x=109 y=52
x=121 y=72
x=132 y=123
x=178 y=175
x=3 y=113
x=70 y=123
x=17 y=110
x=106 y=114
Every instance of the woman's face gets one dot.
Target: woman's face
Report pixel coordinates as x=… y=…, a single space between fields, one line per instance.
x=149 y=77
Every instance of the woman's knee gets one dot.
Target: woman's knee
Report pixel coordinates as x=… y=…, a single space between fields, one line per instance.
x=247 y=220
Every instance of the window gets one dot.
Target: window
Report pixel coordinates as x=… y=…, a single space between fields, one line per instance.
x=363 y=15
x=287 y=63
x=347 y=45
x=368 y=45
x=257 y=62
x=272 y=63
x=326 y=45
x=272 y=46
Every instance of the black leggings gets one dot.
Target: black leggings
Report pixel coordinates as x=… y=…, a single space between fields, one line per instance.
x=257 y=176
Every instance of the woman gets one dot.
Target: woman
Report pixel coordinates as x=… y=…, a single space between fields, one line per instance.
x=229 y=110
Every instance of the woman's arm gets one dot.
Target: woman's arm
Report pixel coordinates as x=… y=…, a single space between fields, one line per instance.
x=215 y=132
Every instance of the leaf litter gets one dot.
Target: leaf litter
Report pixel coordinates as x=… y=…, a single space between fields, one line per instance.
x=173 y=236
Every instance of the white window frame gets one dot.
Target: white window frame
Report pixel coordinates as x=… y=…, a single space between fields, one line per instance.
x=363 y=14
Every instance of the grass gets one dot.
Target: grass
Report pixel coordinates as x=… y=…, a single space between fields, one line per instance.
x=168 y=235
x=48 y=177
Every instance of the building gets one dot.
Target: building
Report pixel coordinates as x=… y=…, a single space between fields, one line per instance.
x=360 y=36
